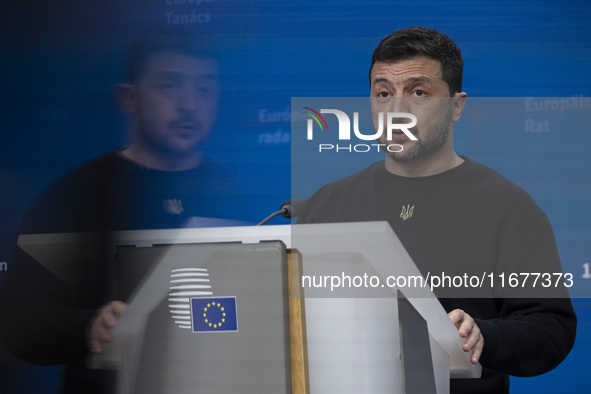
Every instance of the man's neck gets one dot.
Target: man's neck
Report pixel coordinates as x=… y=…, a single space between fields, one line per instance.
x=432 y=165
x=162 y=162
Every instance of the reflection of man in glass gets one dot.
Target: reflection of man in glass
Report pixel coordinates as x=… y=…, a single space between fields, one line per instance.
x=453 y=214
x=161 y=179
x=173 y=99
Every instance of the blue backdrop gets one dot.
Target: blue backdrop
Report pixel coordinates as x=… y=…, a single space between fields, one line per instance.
x=61 y=62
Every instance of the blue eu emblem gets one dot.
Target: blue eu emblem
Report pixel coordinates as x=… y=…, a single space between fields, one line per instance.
x=214 y=314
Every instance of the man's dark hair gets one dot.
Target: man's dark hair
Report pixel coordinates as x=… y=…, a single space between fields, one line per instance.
x=421 y=41
x=184 y=40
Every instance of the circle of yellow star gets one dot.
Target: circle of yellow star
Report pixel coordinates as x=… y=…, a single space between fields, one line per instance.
x=220 y=308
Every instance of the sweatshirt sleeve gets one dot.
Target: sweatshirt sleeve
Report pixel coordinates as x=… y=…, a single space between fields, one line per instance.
x=531 y=337
x=536 y=327
x=42 y=321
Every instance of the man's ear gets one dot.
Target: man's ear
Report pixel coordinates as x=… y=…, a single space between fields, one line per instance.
x=459 y=102
x=127 y=97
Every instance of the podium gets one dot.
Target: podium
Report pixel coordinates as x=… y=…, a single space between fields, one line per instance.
x=258 y=309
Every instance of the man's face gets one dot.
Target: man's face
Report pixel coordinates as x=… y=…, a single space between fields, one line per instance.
x=174 y=104
x=415 y=86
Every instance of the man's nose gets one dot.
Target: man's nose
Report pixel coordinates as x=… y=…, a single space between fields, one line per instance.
x=189 y=100
x=399 y=104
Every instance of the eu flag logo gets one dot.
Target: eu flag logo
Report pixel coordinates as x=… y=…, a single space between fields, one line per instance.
x=214 y=314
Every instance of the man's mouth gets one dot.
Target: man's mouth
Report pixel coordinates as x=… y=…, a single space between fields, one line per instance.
x=185 y=125
x=186 y=128
x=400 y=136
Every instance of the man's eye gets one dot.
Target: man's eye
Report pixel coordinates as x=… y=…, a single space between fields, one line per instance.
x=383 y=94
x=206 y=91
x=419 y=93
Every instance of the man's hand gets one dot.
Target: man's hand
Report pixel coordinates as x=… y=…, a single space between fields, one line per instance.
x=468 y=329
x=99 y=328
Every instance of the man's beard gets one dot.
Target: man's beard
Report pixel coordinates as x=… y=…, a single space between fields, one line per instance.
x=171 y=147
x=425 y=147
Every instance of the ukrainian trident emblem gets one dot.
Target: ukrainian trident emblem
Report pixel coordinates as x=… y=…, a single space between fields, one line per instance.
x=406 y=212
x=173 y=206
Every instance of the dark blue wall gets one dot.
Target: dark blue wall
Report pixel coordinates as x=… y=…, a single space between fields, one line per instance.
x=61 y=61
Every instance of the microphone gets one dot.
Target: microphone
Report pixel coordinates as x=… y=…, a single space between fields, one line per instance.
x=292 y=208
x=289 y=209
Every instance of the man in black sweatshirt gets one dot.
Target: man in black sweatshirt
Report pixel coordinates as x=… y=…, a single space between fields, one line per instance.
x=159 y=181
x=454 y=215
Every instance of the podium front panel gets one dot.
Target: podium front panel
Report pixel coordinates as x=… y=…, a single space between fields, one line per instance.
x=209 y=318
